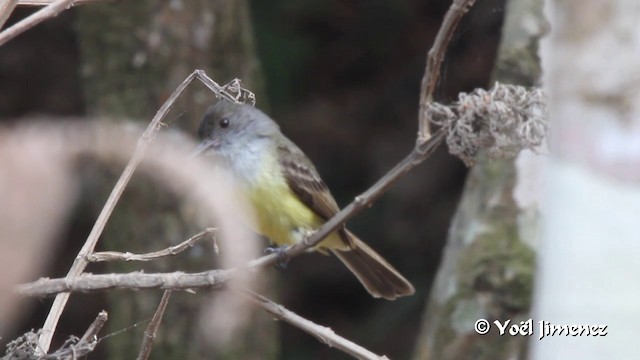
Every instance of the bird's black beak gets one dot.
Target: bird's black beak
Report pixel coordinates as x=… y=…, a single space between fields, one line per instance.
x=204 y=146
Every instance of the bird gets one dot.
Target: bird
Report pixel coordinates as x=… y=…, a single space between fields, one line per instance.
x=289 y=198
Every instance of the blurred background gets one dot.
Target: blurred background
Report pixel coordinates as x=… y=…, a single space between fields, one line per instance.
x=342 y=79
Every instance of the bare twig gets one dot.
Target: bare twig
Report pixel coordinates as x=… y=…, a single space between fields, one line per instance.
x=34 y=19
x=322 y=333
x=95 y=327
x=170 y=251
x=435 y=56
x=133 y=281
x=144 y=142
x=6 y=8
x=233 y=91
x=152 y=328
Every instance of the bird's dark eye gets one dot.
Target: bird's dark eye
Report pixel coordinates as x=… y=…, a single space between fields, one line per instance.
x=224 y=123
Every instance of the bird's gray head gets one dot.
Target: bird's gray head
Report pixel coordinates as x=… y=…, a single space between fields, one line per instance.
x=228 y=128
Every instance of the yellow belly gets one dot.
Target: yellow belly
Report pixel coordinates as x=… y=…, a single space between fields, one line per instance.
x=280 y=215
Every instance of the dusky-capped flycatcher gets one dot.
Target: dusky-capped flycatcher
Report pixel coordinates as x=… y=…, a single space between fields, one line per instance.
x=288 y=196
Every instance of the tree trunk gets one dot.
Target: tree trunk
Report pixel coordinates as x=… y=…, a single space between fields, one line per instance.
x=488 y=263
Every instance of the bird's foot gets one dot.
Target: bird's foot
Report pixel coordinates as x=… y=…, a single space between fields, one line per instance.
x=282 y=259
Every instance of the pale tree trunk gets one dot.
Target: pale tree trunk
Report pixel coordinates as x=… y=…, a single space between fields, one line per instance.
x=590 y=252
x=134 y=54
x=489 y=260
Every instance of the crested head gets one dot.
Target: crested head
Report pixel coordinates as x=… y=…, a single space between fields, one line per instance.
x=230 y=125
x=239 y=135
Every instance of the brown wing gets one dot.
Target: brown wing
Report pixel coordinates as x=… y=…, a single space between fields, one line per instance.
x=305 y=181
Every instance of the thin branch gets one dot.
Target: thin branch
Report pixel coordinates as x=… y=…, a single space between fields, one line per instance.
x=232 y=91
x=6 y=8
x=132 y=281
x=95 y=327
x=322 y=333
x=34 y=19
x=152 y=328
x=435 y=56
x=209 y=233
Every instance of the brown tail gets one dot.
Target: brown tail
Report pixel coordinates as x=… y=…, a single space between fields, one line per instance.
x=375 y=273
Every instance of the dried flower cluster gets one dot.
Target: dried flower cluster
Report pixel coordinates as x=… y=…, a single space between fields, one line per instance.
x=503 y=120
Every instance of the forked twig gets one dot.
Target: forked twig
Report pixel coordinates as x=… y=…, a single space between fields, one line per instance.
x=170 y=251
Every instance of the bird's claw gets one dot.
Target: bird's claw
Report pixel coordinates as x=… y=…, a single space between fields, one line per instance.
x=282 y=259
